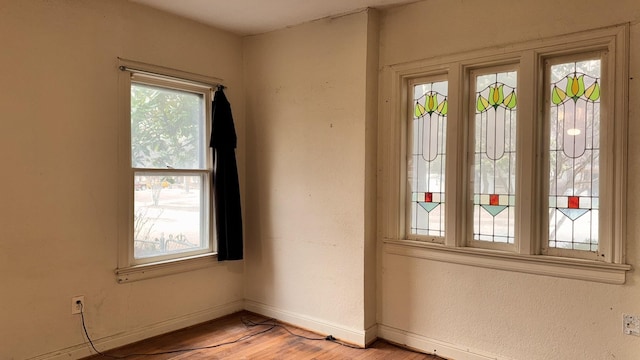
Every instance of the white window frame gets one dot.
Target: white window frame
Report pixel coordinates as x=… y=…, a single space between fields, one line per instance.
x=607 y=184
x=433 y=78
x=129 y=268
x=470 y=110
x=529 y=254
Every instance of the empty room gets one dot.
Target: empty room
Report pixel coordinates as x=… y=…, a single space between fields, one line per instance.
x=453 y=177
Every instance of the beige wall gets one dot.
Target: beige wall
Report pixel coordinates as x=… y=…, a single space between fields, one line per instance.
x=309 y=145
x=308 y=133
x=497 y=313
x=58 y=150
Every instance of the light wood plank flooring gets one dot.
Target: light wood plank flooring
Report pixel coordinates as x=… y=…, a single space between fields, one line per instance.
x=259 y=342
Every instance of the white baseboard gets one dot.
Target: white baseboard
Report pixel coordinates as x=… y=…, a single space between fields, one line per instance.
x=371 y=334
x=114 y=341
x=342 y=333
x=432 y=346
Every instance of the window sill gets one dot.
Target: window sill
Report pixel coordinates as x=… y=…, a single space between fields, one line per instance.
x=163 y=268
x=532 y=264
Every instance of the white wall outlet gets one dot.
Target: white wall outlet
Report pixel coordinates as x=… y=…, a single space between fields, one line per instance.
x=631 y=324
x=77 y=304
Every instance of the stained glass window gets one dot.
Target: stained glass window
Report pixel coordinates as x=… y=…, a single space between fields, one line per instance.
x=574 y=155
x=495 y=157
x=426 y=168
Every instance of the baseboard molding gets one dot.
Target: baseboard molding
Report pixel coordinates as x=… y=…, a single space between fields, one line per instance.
x=432 y=346
x=342 y=333
x=371 y=334
x=350 y=335
x=121 y=339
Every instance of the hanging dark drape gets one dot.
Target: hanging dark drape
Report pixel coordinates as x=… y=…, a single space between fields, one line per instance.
x=225 y=180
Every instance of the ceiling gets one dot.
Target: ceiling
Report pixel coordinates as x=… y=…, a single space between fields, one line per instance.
x=249 y=17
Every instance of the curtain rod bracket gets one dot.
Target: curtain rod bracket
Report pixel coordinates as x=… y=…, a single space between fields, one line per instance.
x=142 y=68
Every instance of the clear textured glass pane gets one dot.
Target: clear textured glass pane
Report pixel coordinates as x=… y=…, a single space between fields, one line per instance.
x=495 y=157
x=167 y=128
x=574 y=154
x=169 y=214
x=426 y=167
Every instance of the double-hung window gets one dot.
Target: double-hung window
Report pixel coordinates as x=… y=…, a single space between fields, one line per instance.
x=167 y=177
x=512 y=159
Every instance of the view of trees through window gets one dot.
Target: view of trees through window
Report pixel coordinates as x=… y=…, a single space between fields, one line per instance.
x=574 y=154
x=168 y=157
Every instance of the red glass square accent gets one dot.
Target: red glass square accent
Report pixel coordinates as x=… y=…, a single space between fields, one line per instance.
x=494 y=199
x=428 y=197
x=574 y=202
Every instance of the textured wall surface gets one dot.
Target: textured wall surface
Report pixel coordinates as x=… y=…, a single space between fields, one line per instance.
x=511 y=315
x=306 y=130
x=59 y=146
x=302 y=100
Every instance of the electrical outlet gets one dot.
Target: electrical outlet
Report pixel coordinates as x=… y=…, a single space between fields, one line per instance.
x=77 y=304
x=631 y=324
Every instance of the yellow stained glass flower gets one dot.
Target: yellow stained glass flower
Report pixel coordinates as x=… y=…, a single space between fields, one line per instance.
x=575 y=86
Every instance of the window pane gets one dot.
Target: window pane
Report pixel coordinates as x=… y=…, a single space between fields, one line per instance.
x=574 y=155
x=426 y=168
x=495 y=157
x=169 y=215
x=167 y=128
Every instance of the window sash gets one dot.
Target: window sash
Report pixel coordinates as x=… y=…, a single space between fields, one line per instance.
x=170 y=148
x=438 y=112
x=203 y=242
x=605 y=193
x=506 y=202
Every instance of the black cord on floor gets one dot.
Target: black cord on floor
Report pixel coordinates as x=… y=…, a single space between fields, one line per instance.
x=270 y=323
x=274 y=322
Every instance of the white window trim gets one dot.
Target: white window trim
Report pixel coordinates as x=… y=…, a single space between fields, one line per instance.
x=127 y=270
x=167 y=267
x=527 y=256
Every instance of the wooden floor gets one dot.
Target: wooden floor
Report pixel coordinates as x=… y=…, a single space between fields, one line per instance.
x=259 y=338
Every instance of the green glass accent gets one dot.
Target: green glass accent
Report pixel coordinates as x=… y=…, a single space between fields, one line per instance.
x=496 y=95
x=593 y=92
x=482 y=104
x=510 y=101
x=420 y=110
x=575 y=87
x=443 y=108
x=558 y=96
x=428 y=205
x=494 y=210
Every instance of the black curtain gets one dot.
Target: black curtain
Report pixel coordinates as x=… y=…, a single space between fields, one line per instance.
x=225 y=180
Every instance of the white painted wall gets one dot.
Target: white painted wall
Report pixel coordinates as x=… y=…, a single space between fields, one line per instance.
x=58 y=150
x=308 y=133
x=509 y=315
